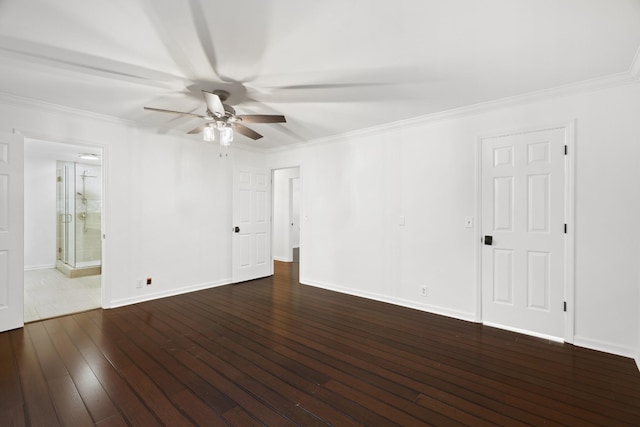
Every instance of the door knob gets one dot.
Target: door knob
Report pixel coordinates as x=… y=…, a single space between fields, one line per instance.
x=488 y=240
x=236 y=229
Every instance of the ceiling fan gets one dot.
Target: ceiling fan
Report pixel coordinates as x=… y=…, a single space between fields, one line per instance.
x=223 y=118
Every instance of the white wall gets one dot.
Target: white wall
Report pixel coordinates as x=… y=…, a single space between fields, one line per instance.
x=39 y=213
x=282 y=199
x=356 y=187
x=168 y=207
x=167 y=213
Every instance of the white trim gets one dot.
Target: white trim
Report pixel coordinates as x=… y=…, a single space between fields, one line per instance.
x=163 y=294
x=442 y=311
x=600 y=83
x=478 y=232
x=570 y=236
x=569 y=219
x=9 y=99
x=39 y=267
x=524 y=332
x=104 y=166
x=56 y=108
x=629 y=77
x=273 y=170
x=603 y=346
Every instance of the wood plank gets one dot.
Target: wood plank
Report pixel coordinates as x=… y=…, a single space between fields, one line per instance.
x=126 y=400
x=274 y=352
x=13 y=415
x=91 y=391
x=38 y=402
x=11 y=392
x=584 y=406
x=69 y=405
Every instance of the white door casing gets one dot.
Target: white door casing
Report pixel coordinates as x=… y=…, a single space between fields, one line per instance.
x=11 y=232
x=295 y=212
x=251 y=242
x=523 y=210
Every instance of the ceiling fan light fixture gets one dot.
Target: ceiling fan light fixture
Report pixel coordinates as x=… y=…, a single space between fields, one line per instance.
x=208 y=134
x=226 y=136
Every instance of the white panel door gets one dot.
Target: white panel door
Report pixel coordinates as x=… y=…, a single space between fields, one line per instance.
x=11 y=232
x=251 y=243
x=523 y=213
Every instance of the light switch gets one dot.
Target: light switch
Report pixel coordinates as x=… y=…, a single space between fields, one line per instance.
x=401 y=220
x=468 y=222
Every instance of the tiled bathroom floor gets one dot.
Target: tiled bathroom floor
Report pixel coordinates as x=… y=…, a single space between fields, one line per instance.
x=49 y=293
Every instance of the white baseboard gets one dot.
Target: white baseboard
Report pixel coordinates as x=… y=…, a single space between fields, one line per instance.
x=163 y=294
x=443 y=311
x=605 y=347
x=282 y=259
x=524 y=332
x=38 y=267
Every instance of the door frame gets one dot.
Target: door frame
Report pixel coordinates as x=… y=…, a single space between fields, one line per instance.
x=273 y=170
x=30 y=134
x=569 y=219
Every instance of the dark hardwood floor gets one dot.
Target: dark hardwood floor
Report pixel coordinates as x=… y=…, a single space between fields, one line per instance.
x=273 y=352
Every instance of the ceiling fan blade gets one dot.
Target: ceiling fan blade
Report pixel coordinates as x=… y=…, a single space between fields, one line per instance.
x=213 y=103
x=262 y=118
x=196 y=130
x=162 y=110
x=246 y=131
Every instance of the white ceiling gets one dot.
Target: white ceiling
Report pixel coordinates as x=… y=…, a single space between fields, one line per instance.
x=329 y=66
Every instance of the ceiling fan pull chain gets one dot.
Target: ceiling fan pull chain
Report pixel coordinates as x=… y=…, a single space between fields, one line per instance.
x=225 y=149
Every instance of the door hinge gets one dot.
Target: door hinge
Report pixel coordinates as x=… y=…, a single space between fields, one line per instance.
x=566 y=150
x=565 y=306
x=565 y=229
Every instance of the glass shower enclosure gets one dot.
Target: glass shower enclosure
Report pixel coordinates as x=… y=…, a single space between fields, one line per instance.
x=79 y=199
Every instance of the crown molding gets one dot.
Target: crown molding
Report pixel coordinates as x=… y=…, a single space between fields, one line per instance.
x=629 y=77
x=7 y=98
x=600 y=83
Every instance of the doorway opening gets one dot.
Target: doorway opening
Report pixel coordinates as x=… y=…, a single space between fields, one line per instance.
x=286 y=214
x=63 y=205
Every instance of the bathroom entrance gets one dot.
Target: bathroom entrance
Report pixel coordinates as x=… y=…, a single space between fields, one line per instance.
x=63 y=206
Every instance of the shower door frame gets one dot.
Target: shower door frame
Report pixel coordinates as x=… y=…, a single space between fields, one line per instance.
x=65 y=213
x=71 y=224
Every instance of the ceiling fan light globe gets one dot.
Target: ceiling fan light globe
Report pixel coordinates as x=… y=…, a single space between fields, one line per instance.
x=226 y=136
x=208 y=134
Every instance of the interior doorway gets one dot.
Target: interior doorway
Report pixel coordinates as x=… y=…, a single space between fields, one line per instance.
x=287 y=193
x=63 y=205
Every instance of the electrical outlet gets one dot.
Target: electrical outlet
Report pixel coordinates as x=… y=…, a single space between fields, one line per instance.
x=423 y=291
x=140 y=283
x=149 y=281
